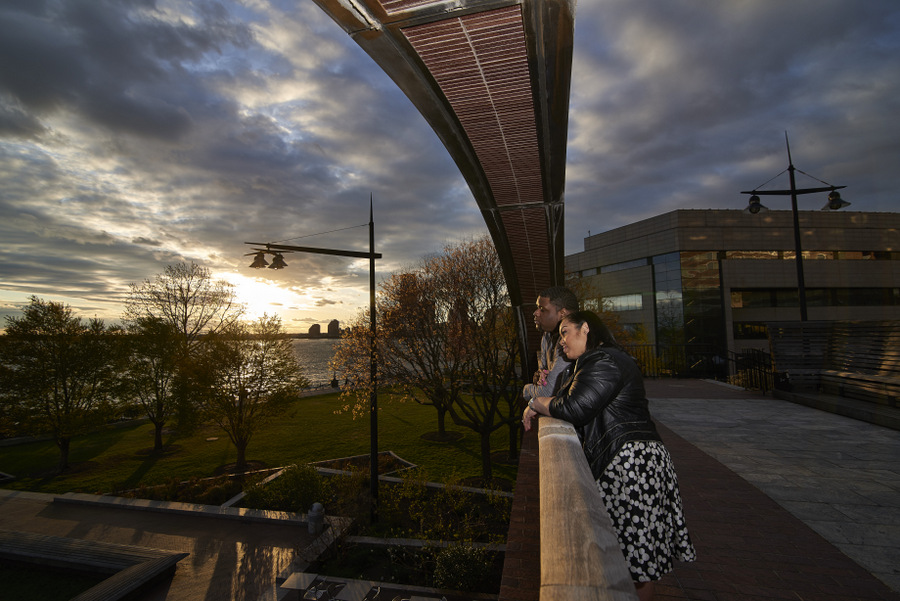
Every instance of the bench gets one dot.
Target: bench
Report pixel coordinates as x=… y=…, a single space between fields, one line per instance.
x=853 y=359
x=799 y=350
x=864 y=362
x=129 y=567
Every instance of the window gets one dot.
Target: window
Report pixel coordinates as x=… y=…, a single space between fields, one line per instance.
x=667 y=272
x=624 y=302
x=844 y=255
x=749 y=330
x=624 y=265
x=815 y=297
x=751 y=254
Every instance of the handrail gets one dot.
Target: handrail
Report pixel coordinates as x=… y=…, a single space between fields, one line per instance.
x=580 y=554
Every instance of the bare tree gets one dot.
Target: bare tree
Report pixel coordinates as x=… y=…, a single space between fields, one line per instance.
x=60 y=371
x=247 y=372
x=186 y=297
x=188 y=301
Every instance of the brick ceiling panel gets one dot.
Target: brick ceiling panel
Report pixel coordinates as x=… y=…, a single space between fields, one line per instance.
x=492 y=79
x=481 y=65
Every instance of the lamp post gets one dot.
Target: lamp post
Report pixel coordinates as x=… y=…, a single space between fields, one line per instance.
x=834 y=203
x=278 y=263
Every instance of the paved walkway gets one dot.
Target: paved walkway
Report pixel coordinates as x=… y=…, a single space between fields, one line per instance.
x=783 y=501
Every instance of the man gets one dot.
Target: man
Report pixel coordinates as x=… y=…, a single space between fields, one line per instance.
x=553 y=304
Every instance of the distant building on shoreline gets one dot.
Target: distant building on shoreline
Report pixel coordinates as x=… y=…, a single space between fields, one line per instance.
x=334 y=328
x=315 y=331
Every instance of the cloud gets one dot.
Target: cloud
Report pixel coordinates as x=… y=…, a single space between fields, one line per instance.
x=138 y=134
x=681 y=105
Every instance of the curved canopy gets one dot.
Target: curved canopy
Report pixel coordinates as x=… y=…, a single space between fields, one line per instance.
x=492 y=79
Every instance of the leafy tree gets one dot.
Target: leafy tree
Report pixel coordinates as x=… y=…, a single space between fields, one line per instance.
x=246 y=372
x=60 y=372
x=487 y=327
x=13 y=411
x=187 y=300
x=414 y=352
x=417 y=351
x=150 y=375
x=445 y=338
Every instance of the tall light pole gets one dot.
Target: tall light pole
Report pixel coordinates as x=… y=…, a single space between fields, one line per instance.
x=834 y=203
x=263 y=248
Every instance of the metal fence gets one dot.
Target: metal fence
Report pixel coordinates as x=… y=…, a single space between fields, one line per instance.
x=751 y=369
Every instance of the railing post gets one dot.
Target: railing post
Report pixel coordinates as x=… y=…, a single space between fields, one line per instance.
x=580 y=555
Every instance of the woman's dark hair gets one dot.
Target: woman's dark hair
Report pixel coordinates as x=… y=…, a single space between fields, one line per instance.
x=598 y=334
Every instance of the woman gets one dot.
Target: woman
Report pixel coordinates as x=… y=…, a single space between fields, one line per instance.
x=603 y=397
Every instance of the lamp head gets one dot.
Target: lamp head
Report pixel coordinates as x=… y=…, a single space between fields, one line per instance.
x=278 y=262
x=755 y=205
x=835 y=202
x=259 y=260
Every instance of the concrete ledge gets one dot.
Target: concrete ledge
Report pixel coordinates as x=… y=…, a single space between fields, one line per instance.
x=586 y=561
x=192 y=509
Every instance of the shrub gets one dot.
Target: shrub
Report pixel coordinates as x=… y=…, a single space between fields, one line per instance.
x=349 y=496
x=412 y=509
x=461 y=567
x=296 y=489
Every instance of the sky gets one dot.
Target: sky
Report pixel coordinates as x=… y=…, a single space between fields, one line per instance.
x=137 y=134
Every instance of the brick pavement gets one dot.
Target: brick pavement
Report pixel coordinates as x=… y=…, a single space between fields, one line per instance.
x=749 y=547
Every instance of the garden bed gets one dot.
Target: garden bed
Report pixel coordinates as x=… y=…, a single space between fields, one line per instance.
x=466 y=569
x=388 y=463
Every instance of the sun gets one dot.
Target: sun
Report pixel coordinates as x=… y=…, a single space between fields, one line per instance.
x=260 y=296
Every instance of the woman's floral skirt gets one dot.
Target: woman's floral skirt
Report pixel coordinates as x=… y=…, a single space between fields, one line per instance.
x=641 y=493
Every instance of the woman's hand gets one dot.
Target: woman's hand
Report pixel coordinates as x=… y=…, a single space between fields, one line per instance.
x=527 y=416
x=537 y=406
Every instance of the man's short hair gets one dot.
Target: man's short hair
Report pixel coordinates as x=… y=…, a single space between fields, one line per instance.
x=561 y=298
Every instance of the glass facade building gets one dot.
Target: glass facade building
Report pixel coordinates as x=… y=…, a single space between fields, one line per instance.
x=717 y=277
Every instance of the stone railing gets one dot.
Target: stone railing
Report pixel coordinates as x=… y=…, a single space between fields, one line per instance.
x=580 y=555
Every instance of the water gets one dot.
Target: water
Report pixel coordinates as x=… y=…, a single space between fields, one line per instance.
x=314 y=355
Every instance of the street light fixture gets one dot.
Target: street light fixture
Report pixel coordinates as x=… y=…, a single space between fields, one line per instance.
x=277 y=250
x=835 y=202
x=259 y=259
x=278 y=262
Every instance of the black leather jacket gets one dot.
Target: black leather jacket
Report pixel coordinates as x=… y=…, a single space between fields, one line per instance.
x=603 y=397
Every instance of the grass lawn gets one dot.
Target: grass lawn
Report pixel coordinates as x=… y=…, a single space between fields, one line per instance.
x=119 y=458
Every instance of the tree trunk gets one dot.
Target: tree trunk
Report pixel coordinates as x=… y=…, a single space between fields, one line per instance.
x=442 y=414
x=157 y=436
x=240 y=463
x=63 y=443
x=486 y=472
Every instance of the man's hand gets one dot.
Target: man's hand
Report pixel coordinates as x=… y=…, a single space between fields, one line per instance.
x=540 y=377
